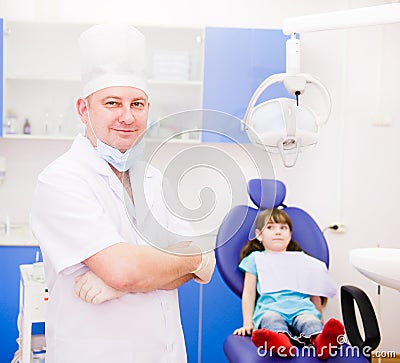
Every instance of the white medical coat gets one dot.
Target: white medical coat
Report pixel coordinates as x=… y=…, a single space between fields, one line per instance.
x=79 y=208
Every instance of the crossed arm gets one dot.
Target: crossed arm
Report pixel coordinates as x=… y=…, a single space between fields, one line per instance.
x=124 y=268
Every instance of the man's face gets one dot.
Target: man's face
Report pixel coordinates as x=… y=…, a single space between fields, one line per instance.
x=118 y=116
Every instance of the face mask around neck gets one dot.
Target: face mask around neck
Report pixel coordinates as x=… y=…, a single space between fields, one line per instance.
x=120 y=161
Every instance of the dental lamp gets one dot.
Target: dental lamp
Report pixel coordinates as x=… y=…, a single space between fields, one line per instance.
x=287 y=125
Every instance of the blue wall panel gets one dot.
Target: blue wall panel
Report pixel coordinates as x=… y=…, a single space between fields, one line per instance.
x=222 y=314
x=189 y=305
x=236 y=62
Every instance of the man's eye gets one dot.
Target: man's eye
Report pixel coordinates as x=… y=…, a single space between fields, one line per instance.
x=138 y=104
x=111 y=103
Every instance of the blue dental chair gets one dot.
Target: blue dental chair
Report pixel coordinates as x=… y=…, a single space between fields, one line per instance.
x=238 y=227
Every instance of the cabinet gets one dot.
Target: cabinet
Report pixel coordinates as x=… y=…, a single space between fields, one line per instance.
x=42 y=76
x=10 y=258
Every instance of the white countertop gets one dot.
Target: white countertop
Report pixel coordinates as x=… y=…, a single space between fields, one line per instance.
x=19 y=235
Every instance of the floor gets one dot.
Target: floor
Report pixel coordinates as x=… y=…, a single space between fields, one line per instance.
x=387 y=360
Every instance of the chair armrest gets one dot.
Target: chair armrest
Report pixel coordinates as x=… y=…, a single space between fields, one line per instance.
x=349 y=296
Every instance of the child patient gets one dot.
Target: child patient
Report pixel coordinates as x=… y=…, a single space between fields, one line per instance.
x=289 y=284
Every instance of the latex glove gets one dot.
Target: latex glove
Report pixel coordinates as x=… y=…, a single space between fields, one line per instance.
x=206 y=268
x=181 y=248
x=92 y=289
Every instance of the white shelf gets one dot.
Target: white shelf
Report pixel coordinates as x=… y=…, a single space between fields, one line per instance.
x=42 y=75
x=38 y=137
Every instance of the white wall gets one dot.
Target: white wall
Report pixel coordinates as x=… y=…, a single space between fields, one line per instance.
x=350 y=177
x=254 y=13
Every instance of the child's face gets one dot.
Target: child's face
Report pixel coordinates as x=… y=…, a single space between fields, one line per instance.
x=275 y=237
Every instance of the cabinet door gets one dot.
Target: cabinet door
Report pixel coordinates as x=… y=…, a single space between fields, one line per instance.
x=189 y=303
x=236 y=62
x=10 y=259
x=222 y=314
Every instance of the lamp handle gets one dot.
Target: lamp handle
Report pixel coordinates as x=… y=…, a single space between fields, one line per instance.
x=279 y=78
x=275 y=78
x=310 y=79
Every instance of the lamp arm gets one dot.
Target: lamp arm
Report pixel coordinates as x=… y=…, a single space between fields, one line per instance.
x=275 y=78
x=323 y=120
x=342 y=19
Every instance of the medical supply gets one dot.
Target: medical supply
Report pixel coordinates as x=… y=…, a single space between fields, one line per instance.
x=34 y=296
x=171 y=66
x=7 y=226
x=37 y=271
x=93 y=290
x=120 y=161
x=206 y=268
x=10 y=124
x=27 y=127
x=2 y=168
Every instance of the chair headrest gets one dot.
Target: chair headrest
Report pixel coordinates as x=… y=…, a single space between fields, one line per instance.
x=266 y=193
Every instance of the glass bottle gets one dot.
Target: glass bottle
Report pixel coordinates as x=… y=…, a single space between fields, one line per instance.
x=27 y=127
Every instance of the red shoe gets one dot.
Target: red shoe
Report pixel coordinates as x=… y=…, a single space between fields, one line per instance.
x=276 y=343
x=328 y=340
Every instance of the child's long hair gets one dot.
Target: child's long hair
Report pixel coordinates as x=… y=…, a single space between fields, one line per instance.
x=269 y=216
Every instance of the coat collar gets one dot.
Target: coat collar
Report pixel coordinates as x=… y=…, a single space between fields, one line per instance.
x=141 y=176
x=142 y=183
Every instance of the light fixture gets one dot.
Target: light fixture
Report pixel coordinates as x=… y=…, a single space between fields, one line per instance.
x=286 y=125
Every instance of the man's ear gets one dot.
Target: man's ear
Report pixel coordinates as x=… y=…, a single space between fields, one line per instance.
x=81 y=107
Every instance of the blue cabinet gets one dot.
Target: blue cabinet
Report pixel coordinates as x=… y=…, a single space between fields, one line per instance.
x=10 y=259
x=13 y=256
x=236 y=62
x=189 y=303
x=222 y=314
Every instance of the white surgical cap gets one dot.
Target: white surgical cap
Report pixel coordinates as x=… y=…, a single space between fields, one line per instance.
x=112 y=55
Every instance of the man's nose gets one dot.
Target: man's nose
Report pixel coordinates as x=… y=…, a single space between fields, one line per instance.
x=126 y=115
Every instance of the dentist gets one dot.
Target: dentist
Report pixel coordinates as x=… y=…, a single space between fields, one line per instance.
x=103 y=226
